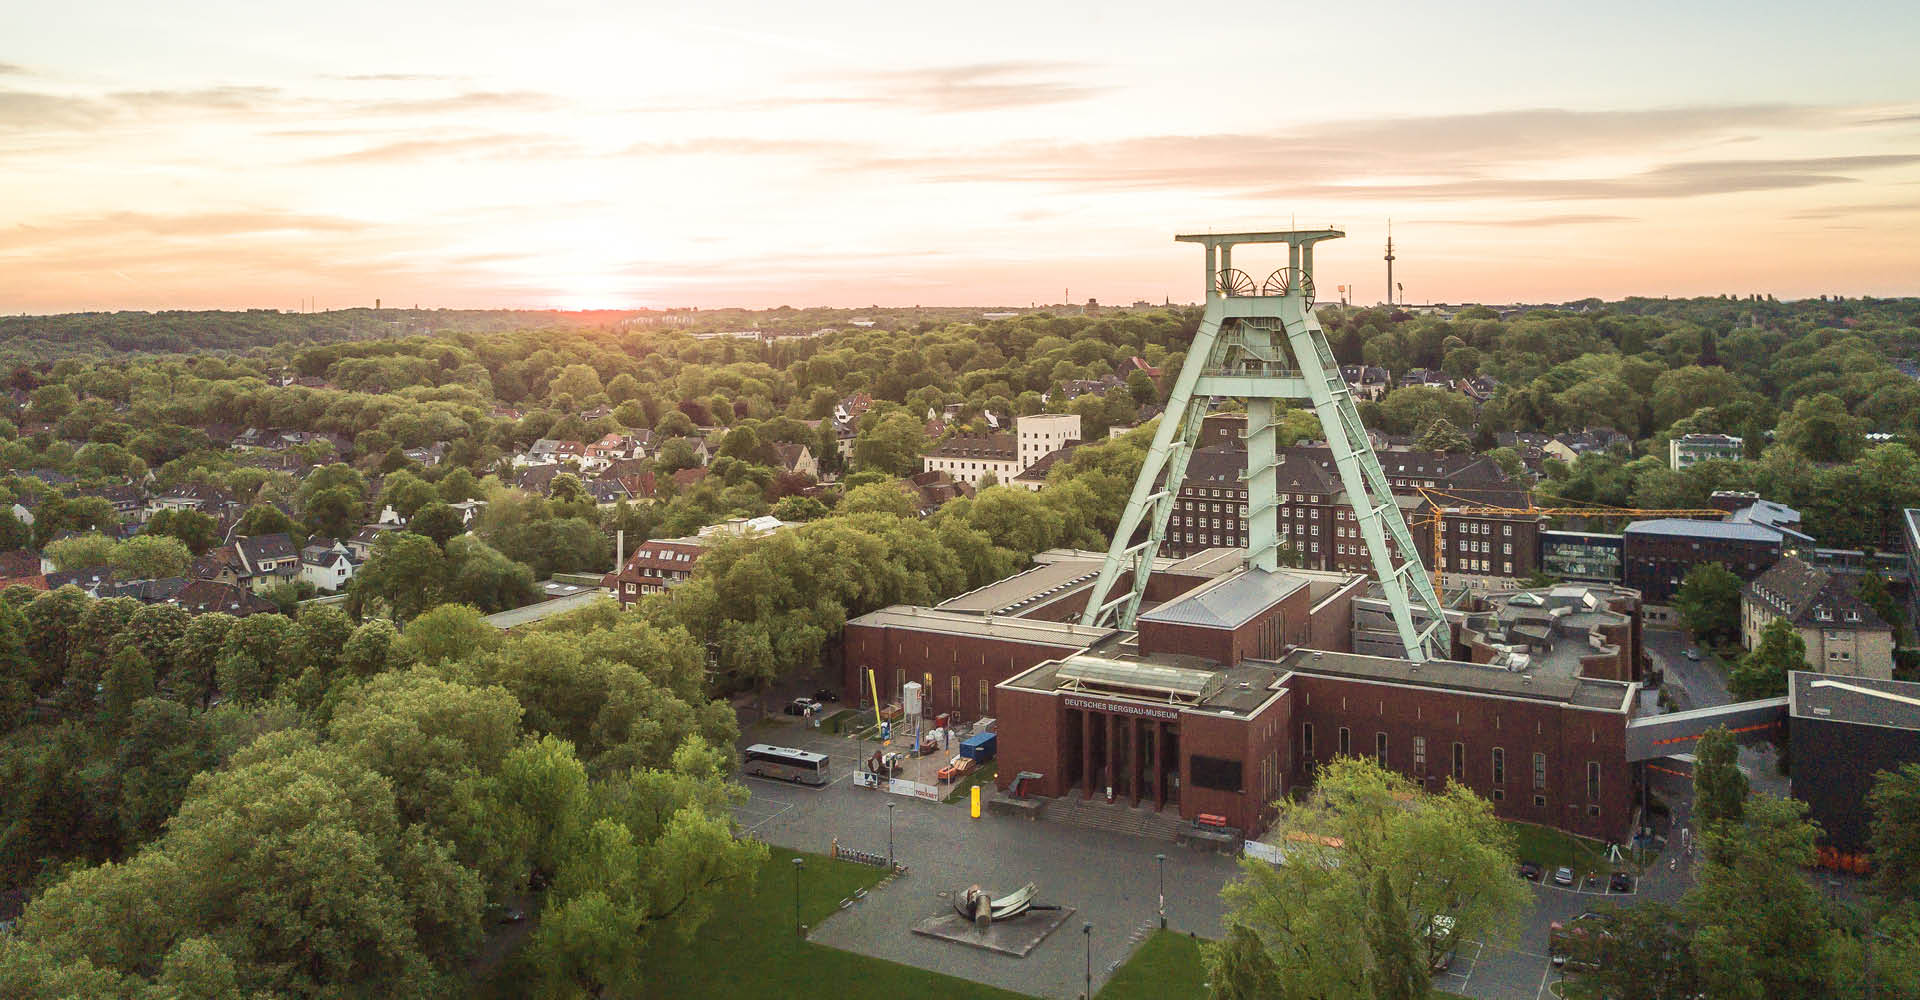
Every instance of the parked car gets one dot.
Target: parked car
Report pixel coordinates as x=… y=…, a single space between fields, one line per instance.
x=504 y=914
x=1620 y=882
x=801 y=706
x=826 y=695
x=1693 y=654
x=1563 y=875
x=1530 y=870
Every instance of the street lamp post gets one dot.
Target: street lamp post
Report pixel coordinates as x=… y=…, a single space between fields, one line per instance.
x=1162 y=860
x=1086 y=930
x=889 y=835
x=798 y=863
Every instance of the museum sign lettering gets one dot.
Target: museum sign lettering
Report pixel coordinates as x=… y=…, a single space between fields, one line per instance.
x=1124 y=708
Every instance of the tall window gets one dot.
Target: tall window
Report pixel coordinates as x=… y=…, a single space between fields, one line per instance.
x=1499 y=766
x=899 y=682
x=1593 y=781
x=1459 y=762
x=984 y=709
x=953 y=692
x=1419 y=755
x=1539 y=772
x=1306 y=739
x=1380 y=748
x=1346 y=742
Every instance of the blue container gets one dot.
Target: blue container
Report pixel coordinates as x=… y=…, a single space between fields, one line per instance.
x=979 y=747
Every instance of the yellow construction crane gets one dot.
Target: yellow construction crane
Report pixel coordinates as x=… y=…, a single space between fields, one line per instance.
x=1440 y=504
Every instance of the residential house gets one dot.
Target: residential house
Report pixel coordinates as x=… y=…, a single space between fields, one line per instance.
x=127 y=501
x=207 y=596
x=970 y=458
x=796 y=458
x=90 y=579
x=200 y=497
x=1479 y=388
x=611 y=448
x=1430 y=377
x=326 y=564
x=23 y=562
x=1368 y=382
x=429 y=456
x=1842 y=633
x=361 y=544
x=933 y=490
x=1592 y=439
x=260 y=561
x=607 y=491
x=655 y=566
x=686 y=479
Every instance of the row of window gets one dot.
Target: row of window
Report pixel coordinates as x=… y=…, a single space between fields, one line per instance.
x=1457 y=763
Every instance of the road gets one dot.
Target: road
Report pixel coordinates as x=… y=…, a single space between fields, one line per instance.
x=1700 y=684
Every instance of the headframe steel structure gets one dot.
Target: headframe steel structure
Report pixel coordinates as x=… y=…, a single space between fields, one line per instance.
x=1261 y=343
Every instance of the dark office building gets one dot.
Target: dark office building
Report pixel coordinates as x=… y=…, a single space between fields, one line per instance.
x=1656 y=555
x=1843 y=732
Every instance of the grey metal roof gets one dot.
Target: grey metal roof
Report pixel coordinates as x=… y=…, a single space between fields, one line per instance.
x=1912 y=521
x=1467 y=678
x=1228 y=601
x=1859 y=700
x=1062 y=634
x=1678 y=527
x=545 y=609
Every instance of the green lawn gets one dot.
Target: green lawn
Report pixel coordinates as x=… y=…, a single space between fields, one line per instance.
x=1165 y=967
x=1552 y=848
x=750 y=950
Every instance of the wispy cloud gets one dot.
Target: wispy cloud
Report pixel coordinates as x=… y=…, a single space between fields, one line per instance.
x=119 y=226
x=390 y=77
x=1473 y=156
x=477 y=100
x=516 y=145
x=1536 y=222
x=12 y=69
x=989 y=86
x=972 y=87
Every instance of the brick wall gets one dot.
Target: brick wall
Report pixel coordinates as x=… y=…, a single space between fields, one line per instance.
x=1569 y=738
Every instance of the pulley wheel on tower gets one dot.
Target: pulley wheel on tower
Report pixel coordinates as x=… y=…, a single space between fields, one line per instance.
x=1287 y=279
x=1234 y=282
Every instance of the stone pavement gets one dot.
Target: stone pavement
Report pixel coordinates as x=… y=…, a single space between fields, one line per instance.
x=1109 y=878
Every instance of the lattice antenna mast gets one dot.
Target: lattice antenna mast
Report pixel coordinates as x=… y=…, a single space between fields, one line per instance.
x=1261 y=343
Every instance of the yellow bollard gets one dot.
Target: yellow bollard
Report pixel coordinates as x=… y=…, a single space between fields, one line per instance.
x=976 y=801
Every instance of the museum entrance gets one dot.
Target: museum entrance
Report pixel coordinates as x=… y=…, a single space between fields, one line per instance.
x=1130 y=753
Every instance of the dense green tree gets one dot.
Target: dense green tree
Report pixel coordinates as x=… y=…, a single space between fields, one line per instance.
x=1820 y=428
x=195 y=530
x=151 y=557
x=1442 y=435
x=437 y=521
x=892 y=443
x=1719 y=787
x=405 y=573
x=1762 y=673
x=1895 y=802
x=82 y=552
x=1309 y=913
x=1709 y=601
x=263 y=519
x=1757 y=925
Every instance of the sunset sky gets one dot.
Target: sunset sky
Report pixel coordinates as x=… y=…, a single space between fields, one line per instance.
x=557 y=154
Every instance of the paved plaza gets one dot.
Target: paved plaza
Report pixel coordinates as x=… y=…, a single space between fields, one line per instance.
x=1109 y=878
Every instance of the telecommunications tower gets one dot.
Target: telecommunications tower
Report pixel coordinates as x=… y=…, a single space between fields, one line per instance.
x=1389 y=262
x=1261 y=343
